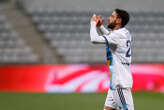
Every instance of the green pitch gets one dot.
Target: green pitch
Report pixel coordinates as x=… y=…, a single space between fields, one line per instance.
x=76 y=101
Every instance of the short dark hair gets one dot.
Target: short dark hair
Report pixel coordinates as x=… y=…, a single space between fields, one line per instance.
x=124 y=15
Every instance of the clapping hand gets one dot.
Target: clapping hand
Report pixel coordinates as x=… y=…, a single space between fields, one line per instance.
x=97 y=19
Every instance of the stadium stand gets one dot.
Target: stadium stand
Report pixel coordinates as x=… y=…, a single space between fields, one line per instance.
x=66 y=37
x=68 y=32
x=13 y=49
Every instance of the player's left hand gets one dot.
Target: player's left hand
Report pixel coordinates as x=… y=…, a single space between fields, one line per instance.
x=97 y=19
x=100 y=22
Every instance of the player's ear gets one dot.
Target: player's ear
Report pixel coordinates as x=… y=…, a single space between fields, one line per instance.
x=119 y=20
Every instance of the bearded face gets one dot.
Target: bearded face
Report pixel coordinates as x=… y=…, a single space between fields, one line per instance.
x=111 y=25
x=112 y=20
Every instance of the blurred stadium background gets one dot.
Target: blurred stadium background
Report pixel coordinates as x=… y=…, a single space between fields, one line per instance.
x=45 y=51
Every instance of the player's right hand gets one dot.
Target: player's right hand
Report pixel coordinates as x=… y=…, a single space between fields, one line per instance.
x=95 y=18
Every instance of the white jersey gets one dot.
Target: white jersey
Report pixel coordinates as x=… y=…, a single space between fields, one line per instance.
x=121 y=55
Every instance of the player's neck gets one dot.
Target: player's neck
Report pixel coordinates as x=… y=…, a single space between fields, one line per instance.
x=116 y=27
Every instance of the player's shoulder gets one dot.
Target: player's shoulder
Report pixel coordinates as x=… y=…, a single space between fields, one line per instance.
x=123 y=32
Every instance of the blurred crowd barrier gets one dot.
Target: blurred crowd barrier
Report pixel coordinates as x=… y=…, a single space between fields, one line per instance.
x=76 y=78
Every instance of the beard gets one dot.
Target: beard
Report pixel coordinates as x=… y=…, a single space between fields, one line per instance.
x=112 y=25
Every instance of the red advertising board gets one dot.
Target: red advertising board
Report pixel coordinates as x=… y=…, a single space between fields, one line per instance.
x=76 y=78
